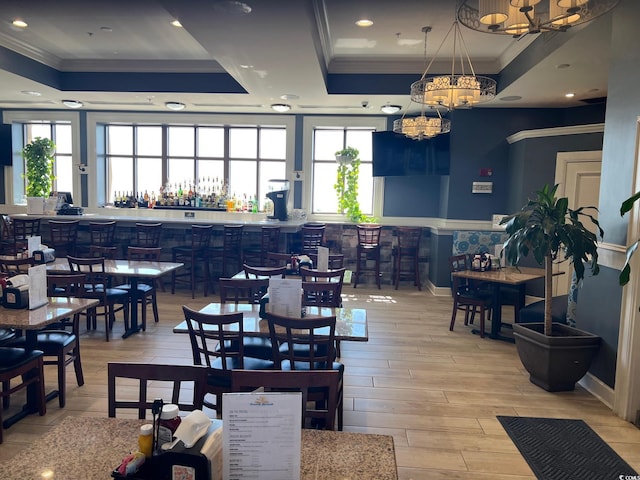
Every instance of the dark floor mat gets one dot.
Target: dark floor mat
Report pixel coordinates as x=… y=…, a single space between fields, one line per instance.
x=560 y=449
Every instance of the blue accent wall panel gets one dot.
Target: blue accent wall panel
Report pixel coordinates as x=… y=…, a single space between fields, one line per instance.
x=417 y=196
x=598 y=312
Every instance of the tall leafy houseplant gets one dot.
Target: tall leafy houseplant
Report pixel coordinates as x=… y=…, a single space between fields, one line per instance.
x=346 y=185
x=39 y=163
x=626 y=206
x=545 y=227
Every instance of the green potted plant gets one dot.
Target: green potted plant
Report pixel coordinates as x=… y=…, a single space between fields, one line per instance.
x=555 y=355
x=346 y=185
x=38 y=157
x=626 y=206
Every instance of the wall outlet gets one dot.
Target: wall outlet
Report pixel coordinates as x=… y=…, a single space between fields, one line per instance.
x=189 y=214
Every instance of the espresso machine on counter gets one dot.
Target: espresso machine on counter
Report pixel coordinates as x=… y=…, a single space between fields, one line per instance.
x=279 y=194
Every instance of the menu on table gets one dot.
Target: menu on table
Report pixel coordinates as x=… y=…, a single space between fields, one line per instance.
x=37 y=286
x=323 y=259
x=261 y=438
x=33 y=244
x=285 y=296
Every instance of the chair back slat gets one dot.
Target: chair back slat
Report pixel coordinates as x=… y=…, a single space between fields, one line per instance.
x=307 y=343
x=208 y=331
x=175 y=377
x=148 y=234
x=242 y=290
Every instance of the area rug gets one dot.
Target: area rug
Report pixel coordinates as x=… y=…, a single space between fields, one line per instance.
x=560 y=449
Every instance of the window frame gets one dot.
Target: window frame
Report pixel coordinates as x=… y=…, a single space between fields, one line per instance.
x=13 y=180
x=310 y=123
x=97 y=119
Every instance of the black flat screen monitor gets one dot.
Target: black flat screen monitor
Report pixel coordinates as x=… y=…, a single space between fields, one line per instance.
x=396 y=155
x=64 y=196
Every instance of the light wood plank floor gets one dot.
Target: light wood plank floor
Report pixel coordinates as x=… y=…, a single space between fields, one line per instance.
x=437 y=392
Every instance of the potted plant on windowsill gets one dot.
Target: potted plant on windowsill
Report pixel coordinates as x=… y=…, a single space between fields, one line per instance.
x=38 y=157
x=555 y=355
x=346 y=185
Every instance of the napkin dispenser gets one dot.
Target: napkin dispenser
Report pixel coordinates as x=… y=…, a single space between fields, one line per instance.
x=16 y=293
x=203 y=461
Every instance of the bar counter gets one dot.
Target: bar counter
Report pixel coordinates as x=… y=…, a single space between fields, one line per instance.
x=90 y=448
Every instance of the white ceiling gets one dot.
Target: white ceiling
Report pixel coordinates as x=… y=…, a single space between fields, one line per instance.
x=283 y=47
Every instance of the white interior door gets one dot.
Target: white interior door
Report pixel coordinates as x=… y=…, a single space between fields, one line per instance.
x=578 y=179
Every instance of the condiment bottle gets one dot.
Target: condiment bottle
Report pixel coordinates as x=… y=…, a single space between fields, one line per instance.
x=168 y=423
x=145 y=440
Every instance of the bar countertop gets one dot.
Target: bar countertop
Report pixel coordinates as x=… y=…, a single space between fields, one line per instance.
x=90 y=448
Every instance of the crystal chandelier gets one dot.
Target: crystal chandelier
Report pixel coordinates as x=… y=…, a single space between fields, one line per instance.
x=519 y=17
x=454 y=90
x=421 y=127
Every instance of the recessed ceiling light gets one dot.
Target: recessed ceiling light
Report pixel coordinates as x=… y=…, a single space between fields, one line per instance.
x=563 y=65
x=364 y=22
x=176 y=23
x=233 y=7
x=281 y=107
x=511 y=98
x=390 y=109
x=289 y=96
x=570 y=95
x=106 y=29
x=18 y=22
x=72 y=103
x=33 y=93
x=175 y=106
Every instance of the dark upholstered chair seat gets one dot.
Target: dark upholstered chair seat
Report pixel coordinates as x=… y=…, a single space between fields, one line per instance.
x=534 y=312
x=12 y=358
x=49 y=341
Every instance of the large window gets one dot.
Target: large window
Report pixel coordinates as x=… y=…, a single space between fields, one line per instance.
x=237 y=159
x=327 y=135
x=60 y=134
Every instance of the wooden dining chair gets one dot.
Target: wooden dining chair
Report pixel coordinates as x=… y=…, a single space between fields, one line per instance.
x=247 y=290
x=16 y=266
x=467 y=296
x=315 y=414
x=242 y=290
x=262 y=272
x=306 y=344
x=112 y=300
x=336 y=260
x=217 y=342
x=27 y=365
x=60 y=342
x=146 y=290
x=185 y=385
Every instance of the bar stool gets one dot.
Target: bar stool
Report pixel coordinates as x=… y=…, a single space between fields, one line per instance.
x=23 y=228
x=368 y=246
x=101 y=239
x=269 y=242
x=148 y=235
x=229 y=255
x=312 y=237
x=64 y=235
x=407 y=249
x=191 y=255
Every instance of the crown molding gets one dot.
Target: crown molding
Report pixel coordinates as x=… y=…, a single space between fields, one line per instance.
x=16 y=45
x=155 y=66
x=556 y=131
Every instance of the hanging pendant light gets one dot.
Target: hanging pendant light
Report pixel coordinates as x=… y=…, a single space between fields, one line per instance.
x=529 y=16
x=461 y=89
x=422 y=126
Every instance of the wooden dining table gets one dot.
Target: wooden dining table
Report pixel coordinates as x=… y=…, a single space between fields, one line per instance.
x=351 y=323
x=92 y=447
x=31 y=321
x=514 y=276
x=134 y=271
